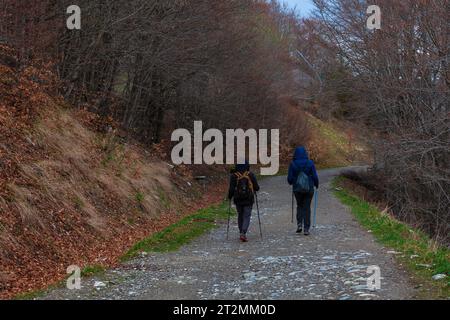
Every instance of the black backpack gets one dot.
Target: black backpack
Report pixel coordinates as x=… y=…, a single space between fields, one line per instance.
x=244 y=187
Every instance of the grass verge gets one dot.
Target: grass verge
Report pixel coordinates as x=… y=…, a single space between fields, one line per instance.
x=182 y=232
x=92 y=270
x=169 y=239
x=87 y=271
x=33 y=294
x=422 y=256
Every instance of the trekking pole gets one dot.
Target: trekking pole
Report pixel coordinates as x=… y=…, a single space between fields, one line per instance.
x=229 y=214
x=315 y=206
x=292 y=218
x=259 y=218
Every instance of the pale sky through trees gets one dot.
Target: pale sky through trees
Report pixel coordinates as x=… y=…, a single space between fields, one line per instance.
x=304 y=7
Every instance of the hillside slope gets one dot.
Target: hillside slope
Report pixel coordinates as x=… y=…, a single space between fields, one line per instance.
x=336 y=144
x=70 y=193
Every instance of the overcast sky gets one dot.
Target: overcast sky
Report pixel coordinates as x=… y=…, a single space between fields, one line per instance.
x=304 y=7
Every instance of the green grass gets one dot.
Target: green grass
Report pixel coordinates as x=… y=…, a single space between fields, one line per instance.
x=31 y=295
x=402 y=238
x=337 y=150
x=85 y=272
x=139 y=196
x=338 y=139
x=92 y=270
x=182 y=232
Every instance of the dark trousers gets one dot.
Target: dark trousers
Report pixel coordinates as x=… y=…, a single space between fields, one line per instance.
x=304 y=209
x=244 y=216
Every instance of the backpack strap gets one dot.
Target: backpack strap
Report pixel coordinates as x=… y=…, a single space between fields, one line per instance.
x=245 y=175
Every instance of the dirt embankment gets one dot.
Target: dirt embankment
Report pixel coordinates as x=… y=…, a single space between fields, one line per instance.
x=70 y=193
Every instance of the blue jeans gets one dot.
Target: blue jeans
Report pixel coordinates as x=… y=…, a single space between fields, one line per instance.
x=304 y=209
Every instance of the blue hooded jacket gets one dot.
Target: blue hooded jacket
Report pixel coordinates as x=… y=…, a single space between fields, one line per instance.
x=302 y=162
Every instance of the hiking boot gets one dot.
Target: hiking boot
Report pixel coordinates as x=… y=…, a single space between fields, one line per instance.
x=299 y=230
x=306 y=232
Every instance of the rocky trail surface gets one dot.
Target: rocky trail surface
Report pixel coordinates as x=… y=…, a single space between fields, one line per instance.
x=331 y=263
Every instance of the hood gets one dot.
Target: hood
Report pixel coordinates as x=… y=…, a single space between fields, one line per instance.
x=301 y=154
x=242 y=167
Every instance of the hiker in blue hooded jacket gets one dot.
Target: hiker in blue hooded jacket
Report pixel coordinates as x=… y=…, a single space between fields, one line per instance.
x=243 y=185
x=302 y=163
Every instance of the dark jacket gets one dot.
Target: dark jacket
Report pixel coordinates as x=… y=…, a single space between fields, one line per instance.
x=302 y=162
x=233 y=182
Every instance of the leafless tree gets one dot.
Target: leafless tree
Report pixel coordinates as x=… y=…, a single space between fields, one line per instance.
x=397 y=81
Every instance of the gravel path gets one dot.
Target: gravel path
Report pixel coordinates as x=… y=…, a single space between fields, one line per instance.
x=329 y=264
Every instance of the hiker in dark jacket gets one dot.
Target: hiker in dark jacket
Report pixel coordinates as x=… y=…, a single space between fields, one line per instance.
x=243 y=185
x=301 y=162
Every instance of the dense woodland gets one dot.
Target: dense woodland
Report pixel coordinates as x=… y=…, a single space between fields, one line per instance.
x=395 y=80
x=155 y=65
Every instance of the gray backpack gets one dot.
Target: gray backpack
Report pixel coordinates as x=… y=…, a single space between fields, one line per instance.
x=302 y=183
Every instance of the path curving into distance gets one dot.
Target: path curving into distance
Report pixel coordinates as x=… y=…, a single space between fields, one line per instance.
x=329 y=264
